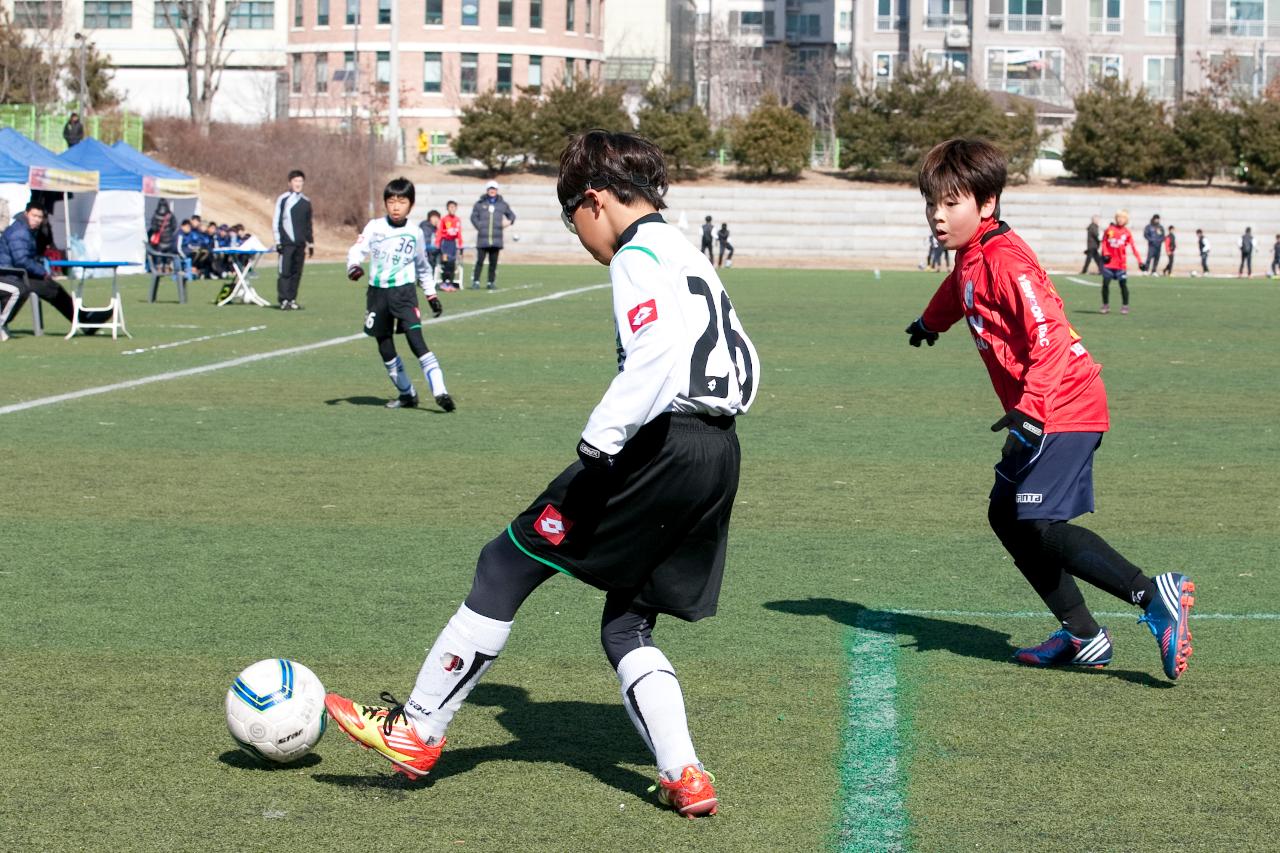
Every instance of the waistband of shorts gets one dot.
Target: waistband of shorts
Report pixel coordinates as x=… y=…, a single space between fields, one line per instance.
x=687 y=422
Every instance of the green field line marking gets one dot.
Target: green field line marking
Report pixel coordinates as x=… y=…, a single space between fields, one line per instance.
x=872 y=816
x=263 y=356
x=1107 y=614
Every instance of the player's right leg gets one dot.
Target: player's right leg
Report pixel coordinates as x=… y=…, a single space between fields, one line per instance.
x=412 y=735
x=378 y=324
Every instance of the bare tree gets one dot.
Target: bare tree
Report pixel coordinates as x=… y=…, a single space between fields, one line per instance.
x=201 y=36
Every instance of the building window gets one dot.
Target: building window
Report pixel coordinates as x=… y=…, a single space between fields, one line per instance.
x=1159 y=78
x=1162 y=17
x=171 y=12
x=953 y=63
x=803 y=26
x=1030 y=71
x=504 y=74
x=435 y=13
x=322 y=13
x=506 y=13
x=432 y=72
x=297 y=13
x=1025 y=16
x=295 y=74
x=1105 y=16
x=1102 y=66
x=350 y=71
x=254 y=15
x=353 y=12
x=941 y=14
x=382 y=70
x=888 y=16
x=470 y=13
x=108 y=14
x=748 y=23
x=468 y=78
x=535 y=74
x=587 y=6
x=37 y=14
x=535 y=14
x=322 y=73
x=886 y=65
x=1242 y=74
x=570 y=10
x=1237 y=18
x=384 y=12
x=569 y=72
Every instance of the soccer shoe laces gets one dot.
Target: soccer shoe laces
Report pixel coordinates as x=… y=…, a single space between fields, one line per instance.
x=393 y=712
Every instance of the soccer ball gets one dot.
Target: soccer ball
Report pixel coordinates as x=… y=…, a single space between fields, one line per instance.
x=275 y=710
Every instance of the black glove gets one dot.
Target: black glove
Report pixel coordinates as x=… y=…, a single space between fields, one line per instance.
x=1025 y=432
x=279 y=247
x=919 y=333
x=594 y=457
x=311 y=250
x=436 y=308
x=354 y=273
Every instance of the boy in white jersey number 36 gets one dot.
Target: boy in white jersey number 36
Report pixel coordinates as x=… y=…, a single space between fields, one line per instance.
x=398 y=261
x=643 y=514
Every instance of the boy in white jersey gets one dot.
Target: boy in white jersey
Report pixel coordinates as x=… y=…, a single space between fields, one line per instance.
x=643 y=514
x=398 y=260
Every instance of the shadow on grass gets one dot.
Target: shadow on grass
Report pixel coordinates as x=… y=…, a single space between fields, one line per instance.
x=932 y=634
x=244 y=761
x=594 y=738
x=379 y=402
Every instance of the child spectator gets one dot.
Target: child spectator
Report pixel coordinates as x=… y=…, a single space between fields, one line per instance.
x=397 y=264
x=1170 y=246
x=1246 y=253
x=1115 y=240
x=1154 y=235
x=1055 y=413
x=431 y=243
x=706 y=247
x=1202 y=244
x=723 y=237
x=1275 y=258
x=449 y=238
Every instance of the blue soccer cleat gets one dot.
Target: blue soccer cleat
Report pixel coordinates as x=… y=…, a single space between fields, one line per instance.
x=1166 y=616
x=1065 y=649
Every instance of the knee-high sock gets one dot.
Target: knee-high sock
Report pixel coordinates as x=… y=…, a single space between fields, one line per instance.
x=400 y=379
x=461 y=654
x=435 y=376
x=655 y=704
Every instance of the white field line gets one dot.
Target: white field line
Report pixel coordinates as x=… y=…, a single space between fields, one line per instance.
x=263 y=356
x=1115 y=614
x=192 y=340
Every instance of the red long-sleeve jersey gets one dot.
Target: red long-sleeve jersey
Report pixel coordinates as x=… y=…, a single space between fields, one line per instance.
x=450 y=228
x=1036 y=360
x=1114 y=241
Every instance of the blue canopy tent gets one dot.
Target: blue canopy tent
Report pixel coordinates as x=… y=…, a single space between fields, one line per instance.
x=113 y=221
x=26 y=165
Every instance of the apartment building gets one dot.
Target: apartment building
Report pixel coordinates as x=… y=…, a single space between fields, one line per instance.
x=148 y=69
x=646 y=43
x=343 y=55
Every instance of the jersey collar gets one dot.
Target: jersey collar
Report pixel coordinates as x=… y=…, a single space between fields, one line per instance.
x=629 y=234
x=1000 y=227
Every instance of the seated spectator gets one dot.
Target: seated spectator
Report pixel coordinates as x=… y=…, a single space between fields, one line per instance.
x=190 y=245
x=238 y=234
x=218 y=262
x=18 y=250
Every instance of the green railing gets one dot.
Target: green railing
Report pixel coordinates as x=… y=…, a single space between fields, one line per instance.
x=46 y=128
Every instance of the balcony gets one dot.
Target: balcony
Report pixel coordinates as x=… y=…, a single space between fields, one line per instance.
x=1045 y=90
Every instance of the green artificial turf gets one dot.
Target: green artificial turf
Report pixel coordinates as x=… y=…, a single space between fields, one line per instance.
x=159 y=538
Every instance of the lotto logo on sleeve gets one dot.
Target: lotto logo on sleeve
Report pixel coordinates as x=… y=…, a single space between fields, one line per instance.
x=645 y=312
x=552 y=526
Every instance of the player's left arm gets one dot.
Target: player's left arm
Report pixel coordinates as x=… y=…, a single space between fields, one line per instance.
x=358 y=252
x=1038 y=314
x=649 y=326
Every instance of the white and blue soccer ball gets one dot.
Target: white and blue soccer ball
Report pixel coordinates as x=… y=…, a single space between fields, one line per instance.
x=275 y=710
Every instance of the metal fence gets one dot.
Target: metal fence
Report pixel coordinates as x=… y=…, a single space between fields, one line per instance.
x=46 y=128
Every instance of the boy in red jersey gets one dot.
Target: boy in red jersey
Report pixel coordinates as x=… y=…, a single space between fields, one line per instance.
x=1115 y=240
x=449 y=239
x=1055 y=412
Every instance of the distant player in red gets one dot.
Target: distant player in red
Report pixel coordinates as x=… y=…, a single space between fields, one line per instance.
x=1115 y=240
x=1055 y=412
x=449 y=239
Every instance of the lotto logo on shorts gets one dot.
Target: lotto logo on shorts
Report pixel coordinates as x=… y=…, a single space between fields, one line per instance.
x=552 y=526
x=645 y=312
x=1028 y=498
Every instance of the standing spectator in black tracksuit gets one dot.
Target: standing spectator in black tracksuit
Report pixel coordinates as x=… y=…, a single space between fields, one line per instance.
x=291 y=225
x=489 y=216
x=1246 y=252
x=722 y=236
x=706 y=247
x=1092 y=245
x=1154 y=235
x=73 y=131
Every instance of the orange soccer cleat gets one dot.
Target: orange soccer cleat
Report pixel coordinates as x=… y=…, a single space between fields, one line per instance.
x=692 y=795
x=385 y=731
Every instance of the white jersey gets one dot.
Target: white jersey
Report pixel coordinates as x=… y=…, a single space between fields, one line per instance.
x=397 y=255
x=681 y=346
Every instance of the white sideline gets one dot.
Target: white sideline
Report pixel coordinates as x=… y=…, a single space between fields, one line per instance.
x=263 y=356
x=198 y=340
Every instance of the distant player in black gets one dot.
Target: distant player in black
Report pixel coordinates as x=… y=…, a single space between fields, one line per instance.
x=707 y=247
x=725 y=246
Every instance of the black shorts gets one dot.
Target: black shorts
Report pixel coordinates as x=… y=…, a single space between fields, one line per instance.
x=384 y=304
x=1055 y=484
x=656 y=525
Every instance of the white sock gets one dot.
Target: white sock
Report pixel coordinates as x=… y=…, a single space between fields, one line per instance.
x=651 y=694
x=435 y=376
x=400 y=379
x=458 y=658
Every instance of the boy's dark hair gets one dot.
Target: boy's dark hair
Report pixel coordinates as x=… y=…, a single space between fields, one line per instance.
x=186 y=222
x=33 y=205
x=432 y=212
x=631 y=166
x=966 y=166
x=402 y=187
x=708 y=219
x=450 y=202
x=297 y=173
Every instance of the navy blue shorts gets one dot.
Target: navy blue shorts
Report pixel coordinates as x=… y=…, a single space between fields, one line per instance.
x=1119 y=275
x=1055 y=484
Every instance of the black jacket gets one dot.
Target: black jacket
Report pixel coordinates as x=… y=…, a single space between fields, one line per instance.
x=291 y=221
x=1093 y=240
x=73 y=133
